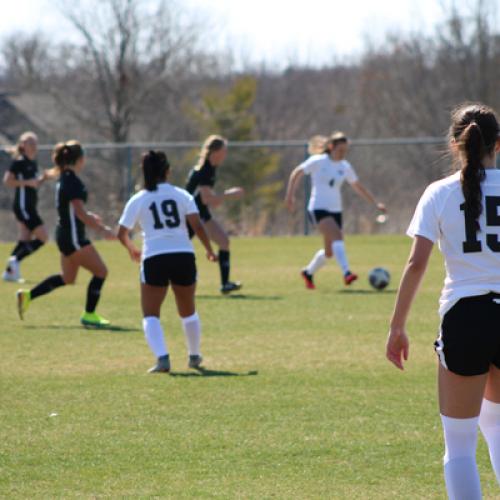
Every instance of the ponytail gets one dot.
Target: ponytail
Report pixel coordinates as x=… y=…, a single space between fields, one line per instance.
x=67 y=154
x=317 y=144
x=473 y=173
x=154 y=169
x=212 y=143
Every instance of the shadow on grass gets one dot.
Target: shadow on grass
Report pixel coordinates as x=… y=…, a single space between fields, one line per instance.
x=239 y=296
x=367 y=291
x=205 y=372
x=110 y=328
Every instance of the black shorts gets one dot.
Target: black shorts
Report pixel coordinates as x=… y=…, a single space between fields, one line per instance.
x=469 y=340
x=29 y=217
x=316 y=215
x=69 y=244
x=176 y=268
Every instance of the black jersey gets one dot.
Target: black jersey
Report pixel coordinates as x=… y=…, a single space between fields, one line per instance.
x=26 y=198
x=200 y=176
x=69 y=188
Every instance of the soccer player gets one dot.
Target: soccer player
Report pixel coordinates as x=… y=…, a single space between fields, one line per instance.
x=163 y=211
x=328 y=170
x=23 y=176
x=76 y=250
x=200 y=184
x=461 y=214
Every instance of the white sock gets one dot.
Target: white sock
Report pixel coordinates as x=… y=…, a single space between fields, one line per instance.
x=317 y=262
x=460 y=467
x=489 y=422
x=338 y=248
x=192 y=330
x=154 y=335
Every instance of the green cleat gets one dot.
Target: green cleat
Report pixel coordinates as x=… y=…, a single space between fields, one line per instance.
x=93 y=320
x=23 y=302
x=162 y=366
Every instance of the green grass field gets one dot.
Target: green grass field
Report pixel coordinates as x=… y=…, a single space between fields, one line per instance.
x=297 y=401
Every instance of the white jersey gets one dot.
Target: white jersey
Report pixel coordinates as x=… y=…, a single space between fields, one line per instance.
x=472 y=260
x=162 y=217
x=327 y=177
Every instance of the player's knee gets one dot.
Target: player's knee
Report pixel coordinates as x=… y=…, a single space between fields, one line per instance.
x=69 y=280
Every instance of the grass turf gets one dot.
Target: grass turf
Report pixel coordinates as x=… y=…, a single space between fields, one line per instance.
x=297 y=400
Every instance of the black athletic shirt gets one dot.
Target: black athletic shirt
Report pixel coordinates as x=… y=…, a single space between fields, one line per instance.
x=69 y=188
x=24 y=169
x=200 y=176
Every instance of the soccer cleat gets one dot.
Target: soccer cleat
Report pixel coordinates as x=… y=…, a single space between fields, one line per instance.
x=195 y=361
x=162 y=365
x=93 y=319
x=230 y=286
x=308 y=279
x=12 y=272
x=350 y=277
x=23 y=302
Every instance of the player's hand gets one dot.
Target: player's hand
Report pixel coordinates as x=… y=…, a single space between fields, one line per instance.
x=32 y=183
x=397 y=347
x=135 y=254
x=211 y=256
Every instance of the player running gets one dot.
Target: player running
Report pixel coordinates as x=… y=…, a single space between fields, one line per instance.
x=163 y=210
x=461 y=214
x=23 y=176
x=200 y=184
x=76 y=250
x=328 y=170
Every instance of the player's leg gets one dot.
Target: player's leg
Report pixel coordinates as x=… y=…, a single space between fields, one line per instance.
x=460 y=403
x=152 y=298
x=12 y=271
x=217 y=234
x=69 y=269
x=88 y=258
x=489 y=420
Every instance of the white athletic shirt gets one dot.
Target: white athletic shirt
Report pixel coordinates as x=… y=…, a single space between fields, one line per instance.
x=162 y=217
x=472 y=260
x=327 y=177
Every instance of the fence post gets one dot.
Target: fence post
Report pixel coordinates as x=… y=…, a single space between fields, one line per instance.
x=130 y=188
x=307 y=192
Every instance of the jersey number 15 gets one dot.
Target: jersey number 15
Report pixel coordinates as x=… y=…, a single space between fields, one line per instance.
x=471 y=243
x=169 y=210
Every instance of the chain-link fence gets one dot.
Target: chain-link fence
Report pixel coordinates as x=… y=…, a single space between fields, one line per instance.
x=395 y=170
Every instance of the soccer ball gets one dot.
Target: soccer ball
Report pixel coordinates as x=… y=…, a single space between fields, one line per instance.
x=379 y=278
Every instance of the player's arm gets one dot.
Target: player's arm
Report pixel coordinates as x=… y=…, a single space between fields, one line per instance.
x=210 y=198
x=124 y=238
x=364 y=193
x=397 y=347
x=92 y=220
x=10 y=181
x=196 y=225
x=293 y=182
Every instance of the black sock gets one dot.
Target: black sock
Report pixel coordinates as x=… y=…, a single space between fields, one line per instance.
x=224 y=266
x=28 y=248
x=47 y=285
x=93 y=293
x=18 y=247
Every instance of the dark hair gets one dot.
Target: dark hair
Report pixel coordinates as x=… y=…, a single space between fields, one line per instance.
x=475 y=130
x=154 y=168
x=67 y=153
x=212 y=143
x=335 y=139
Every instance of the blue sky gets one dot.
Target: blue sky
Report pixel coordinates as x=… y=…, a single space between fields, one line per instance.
x=271 y=31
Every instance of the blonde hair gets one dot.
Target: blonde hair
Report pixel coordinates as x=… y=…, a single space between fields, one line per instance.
x=317 y=144
x=211 y=144
x=18 y=150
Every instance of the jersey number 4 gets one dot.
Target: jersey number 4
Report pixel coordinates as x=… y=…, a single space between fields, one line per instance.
x=471 y=243
x=169 y=210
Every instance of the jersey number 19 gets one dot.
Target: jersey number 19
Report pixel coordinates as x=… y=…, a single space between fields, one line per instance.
x=169 y=210
x=471 y=243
